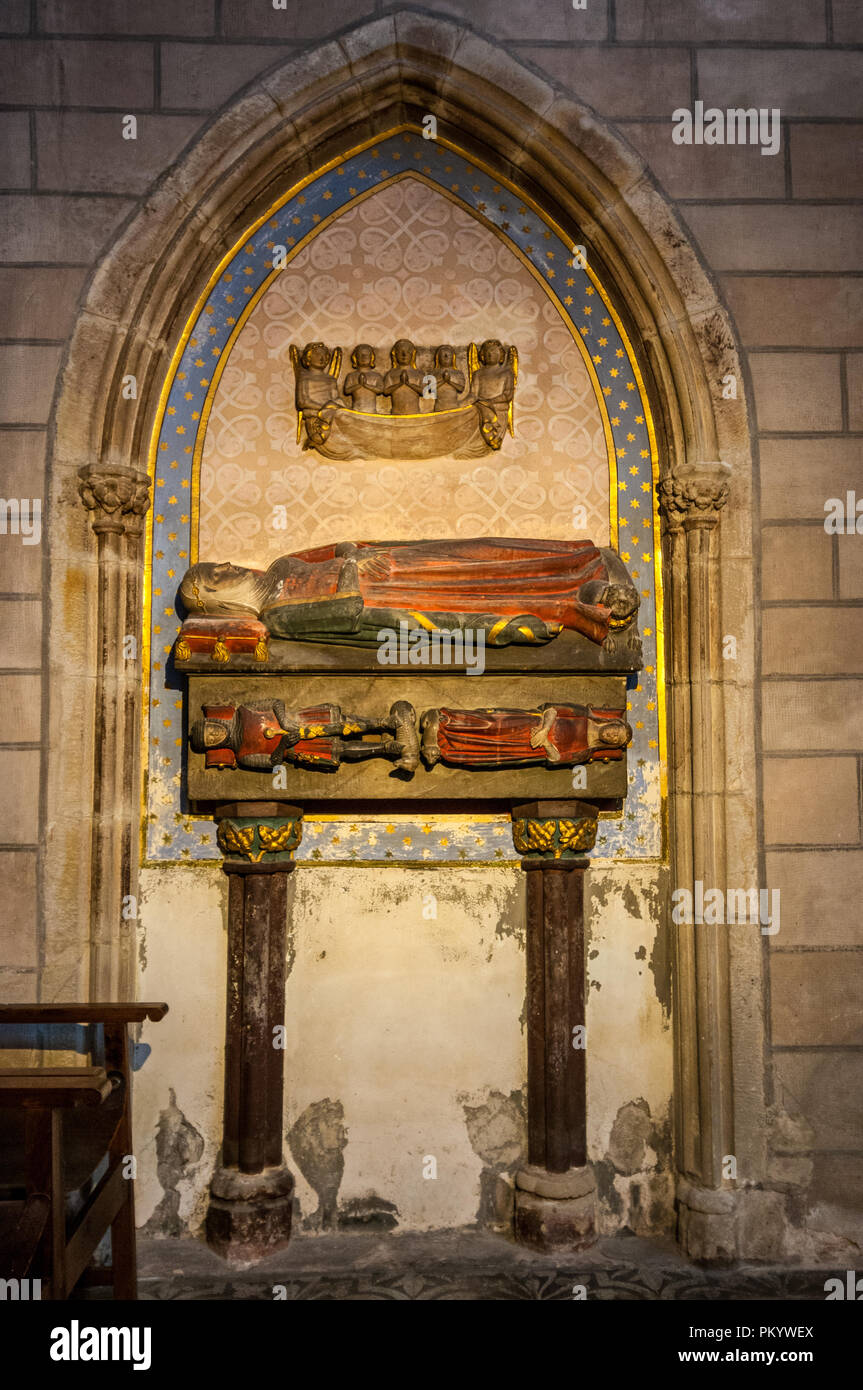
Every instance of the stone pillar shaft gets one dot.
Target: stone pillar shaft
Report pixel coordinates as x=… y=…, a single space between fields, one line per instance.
x=257 y=910
x=251 y=1194
x=118 y=498
x=691 y=502
x=556 y=1071
x=554 y=1201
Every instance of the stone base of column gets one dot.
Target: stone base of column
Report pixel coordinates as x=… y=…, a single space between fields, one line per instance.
x=555 y=1211
x=249 y=1216
x=707 y=1223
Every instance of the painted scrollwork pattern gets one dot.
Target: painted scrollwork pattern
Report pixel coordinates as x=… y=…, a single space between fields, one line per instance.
x=403 y=262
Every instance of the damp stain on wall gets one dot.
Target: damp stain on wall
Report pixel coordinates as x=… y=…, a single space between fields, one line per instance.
x=179 y=1147
x=497 y=1131
x=318 y=1139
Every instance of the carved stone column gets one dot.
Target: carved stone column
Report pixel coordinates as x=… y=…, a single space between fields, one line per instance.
x=555 y=1193
x=118 y=499
x=691 y=501
x=251 y=1194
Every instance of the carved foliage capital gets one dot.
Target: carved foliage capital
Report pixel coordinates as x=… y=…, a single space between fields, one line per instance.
x=253 y=838
x=555 y=837
x=118 y=497
x=694 y=496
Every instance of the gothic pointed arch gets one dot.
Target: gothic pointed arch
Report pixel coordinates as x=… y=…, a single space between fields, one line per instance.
x=297 y=118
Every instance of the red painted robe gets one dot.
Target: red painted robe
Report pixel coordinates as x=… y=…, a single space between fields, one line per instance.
x=499 y=576
x=490 y=738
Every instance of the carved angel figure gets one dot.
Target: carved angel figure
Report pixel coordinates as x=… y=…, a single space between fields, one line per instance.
x=316 y=372
x=494 y=374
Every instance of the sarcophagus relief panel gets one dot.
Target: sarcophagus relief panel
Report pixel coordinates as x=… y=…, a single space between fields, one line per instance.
x=406 y=738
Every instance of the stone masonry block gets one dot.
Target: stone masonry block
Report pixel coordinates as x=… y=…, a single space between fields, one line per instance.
x=796 y=562
x=815 y=998
x=89 y=154
x=69 y=72
x=815 y=888
x=619 y=82
x=811 y=801
x=797 y=391
x=194 y=17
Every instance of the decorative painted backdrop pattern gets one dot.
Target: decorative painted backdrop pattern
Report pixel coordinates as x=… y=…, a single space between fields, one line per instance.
x=230 y=373
x=406 y=262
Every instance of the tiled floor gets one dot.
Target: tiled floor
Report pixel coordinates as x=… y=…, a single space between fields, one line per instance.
x=457 y=1266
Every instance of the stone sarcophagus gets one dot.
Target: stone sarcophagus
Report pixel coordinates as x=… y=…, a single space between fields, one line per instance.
x=483 y=672
x=343 y=673
x=488 y=672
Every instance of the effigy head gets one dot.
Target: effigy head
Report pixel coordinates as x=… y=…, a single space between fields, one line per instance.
x=316 y=355
x=615 y=732
x=404 y=353
x=209 y=733
x=363 y=355
x=445 y=356
x=492 y=353
x=222 y=590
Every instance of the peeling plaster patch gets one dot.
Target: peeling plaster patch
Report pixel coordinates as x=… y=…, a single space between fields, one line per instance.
x=641 y=953
x=179 y=1147
x=291 y=928
x=317 y=1141
x=660 y=968
x=635 y=1181
x=370 y=1213
x=627 y=1146
x=660 y=1139
x=630 y=901
x=497 y=1131
x=603 y=1172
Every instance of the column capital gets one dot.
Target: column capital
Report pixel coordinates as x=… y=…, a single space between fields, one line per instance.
x=694 y=495
x=251 y=832
x=546 y=831
x=117 y=496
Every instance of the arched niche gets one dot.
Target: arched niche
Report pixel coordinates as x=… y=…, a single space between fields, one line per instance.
x=297 y=118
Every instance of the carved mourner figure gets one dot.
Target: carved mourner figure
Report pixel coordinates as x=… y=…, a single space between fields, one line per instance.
x=449 y=380
x=552 y=734
x=513 y=591
x=321 y=737
x=364 y=385
x=403 y=383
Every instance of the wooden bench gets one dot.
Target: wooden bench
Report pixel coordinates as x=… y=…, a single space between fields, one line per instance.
x=38 y=1239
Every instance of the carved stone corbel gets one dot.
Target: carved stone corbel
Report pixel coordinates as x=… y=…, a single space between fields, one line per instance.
x=117 y=499
x=691 y=502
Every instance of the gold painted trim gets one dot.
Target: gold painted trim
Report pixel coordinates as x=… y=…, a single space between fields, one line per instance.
x=194 y=515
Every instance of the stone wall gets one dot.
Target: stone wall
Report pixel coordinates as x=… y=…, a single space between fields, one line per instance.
x=780 y=233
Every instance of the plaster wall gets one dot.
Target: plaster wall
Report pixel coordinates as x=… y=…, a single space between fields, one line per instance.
x=405 y=1042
